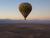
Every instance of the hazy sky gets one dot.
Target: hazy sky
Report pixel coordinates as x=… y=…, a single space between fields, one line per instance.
x=40 y=9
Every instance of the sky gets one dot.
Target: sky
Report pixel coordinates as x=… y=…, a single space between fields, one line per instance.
x=9 y=9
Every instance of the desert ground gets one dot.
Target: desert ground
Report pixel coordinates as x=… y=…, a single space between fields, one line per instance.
x=24 y=30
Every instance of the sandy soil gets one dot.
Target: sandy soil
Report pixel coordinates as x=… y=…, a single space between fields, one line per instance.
x=24 y=31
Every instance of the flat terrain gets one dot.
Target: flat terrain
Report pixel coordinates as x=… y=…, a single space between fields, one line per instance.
x=24 y=30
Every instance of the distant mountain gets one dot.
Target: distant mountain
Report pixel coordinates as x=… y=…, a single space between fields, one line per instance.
x=24 y=21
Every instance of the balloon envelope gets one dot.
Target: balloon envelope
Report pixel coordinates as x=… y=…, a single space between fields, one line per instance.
x=25 y=9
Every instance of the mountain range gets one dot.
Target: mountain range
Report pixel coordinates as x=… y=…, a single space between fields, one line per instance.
x=4 y=21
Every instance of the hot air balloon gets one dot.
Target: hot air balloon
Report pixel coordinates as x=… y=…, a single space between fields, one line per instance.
x=25 y=9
